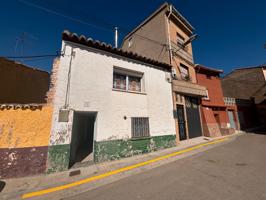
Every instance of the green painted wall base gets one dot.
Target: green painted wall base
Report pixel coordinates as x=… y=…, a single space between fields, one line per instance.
x=116 y=149
x=58 y=158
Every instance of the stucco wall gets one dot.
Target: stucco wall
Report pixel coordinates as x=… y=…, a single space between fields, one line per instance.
x=155 y=30
x=91 y=90
x=25 y=128
x=24 y=137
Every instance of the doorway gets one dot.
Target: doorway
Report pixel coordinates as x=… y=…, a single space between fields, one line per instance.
x=193 y=117
x=81 y=148
x=181 y=122
x=217 y=118
x=231 y=119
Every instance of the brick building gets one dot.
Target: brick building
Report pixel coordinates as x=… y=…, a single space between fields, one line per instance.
x=219 y=118
x=248 y=87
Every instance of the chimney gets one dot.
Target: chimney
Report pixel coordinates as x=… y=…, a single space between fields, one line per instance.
x=116 y=37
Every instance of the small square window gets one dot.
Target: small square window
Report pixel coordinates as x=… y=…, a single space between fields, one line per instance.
x=140 y=127
x=208 y=76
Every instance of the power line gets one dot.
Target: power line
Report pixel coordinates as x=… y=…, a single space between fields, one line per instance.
x=61 y=15
x=35 y=56
x=123 y=30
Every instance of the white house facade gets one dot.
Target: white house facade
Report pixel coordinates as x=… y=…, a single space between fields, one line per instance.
x=108 y=104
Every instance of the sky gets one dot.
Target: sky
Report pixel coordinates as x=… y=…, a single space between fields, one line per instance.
x=232 y=33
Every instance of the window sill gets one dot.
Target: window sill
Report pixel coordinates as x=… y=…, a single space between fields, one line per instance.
x=134 y=92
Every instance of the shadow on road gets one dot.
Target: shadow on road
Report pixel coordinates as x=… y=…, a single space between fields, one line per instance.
x=260 y=131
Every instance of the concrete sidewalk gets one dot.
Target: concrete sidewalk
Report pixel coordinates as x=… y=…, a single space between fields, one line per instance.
x=16 y=187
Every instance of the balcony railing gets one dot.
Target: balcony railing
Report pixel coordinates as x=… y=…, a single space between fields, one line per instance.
x=189 y=88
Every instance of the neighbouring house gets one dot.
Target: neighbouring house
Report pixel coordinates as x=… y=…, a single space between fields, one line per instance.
x=166 y=36
x=25 y=119
x=219 y=115
x=22 y=84
x=108 y=104
x=248 y=86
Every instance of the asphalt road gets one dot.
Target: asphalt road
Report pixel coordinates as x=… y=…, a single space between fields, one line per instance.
x=233 y=171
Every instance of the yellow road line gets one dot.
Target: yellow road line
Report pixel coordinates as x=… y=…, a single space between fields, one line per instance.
x=94 y=178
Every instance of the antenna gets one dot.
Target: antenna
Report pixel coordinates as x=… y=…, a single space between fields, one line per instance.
x=116 y=37
x=20 y=41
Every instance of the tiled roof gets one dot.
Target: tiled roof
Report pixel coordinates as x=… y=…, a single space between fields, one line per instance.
x=251 y=67
x=5 y=61
x=198 y=66
x=89 y=42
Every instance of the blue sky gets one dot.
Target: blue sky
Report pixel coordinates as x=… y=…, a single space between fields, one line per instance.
x=231 y=33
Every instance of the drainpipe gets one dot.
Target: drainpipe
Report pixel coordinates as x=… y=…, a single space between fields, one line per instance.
x=66 y=105
x=168 y=32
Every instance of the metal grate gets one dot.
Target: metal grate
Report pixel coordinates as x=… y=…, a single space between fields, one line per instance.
x=140 y=127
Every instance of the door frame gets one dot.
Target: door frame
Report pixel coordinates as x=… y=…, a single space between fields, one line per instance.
x=198 y=99
x=185 y=122
x=94 y=130
x=234 y=118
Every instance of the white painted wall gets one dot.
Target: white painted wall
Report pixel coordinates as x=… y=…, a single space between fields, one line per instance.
x=264 y=72
x=91 y=90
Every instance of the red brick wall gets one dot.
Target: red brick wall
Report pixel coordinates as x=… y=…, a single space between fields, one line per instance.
x=214 y=89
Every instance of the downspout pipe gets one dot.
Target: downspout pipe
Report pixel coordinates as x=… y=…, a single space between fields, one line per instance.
x=66 y=105
x=168 y=32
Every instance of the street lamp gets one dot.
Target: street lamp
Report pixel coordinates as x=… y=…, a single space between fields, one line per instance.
x=193 y=37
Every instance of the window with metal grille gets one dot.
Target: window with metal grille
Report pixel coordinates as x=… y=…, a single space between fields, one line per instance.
x=140 y=127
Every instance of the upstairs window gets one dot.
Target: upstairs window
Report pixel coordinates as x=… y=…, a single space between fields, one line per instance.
x=208 y=76
x=119 y=81
x=127 y=80
x=184 y=72
x=180 y=39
